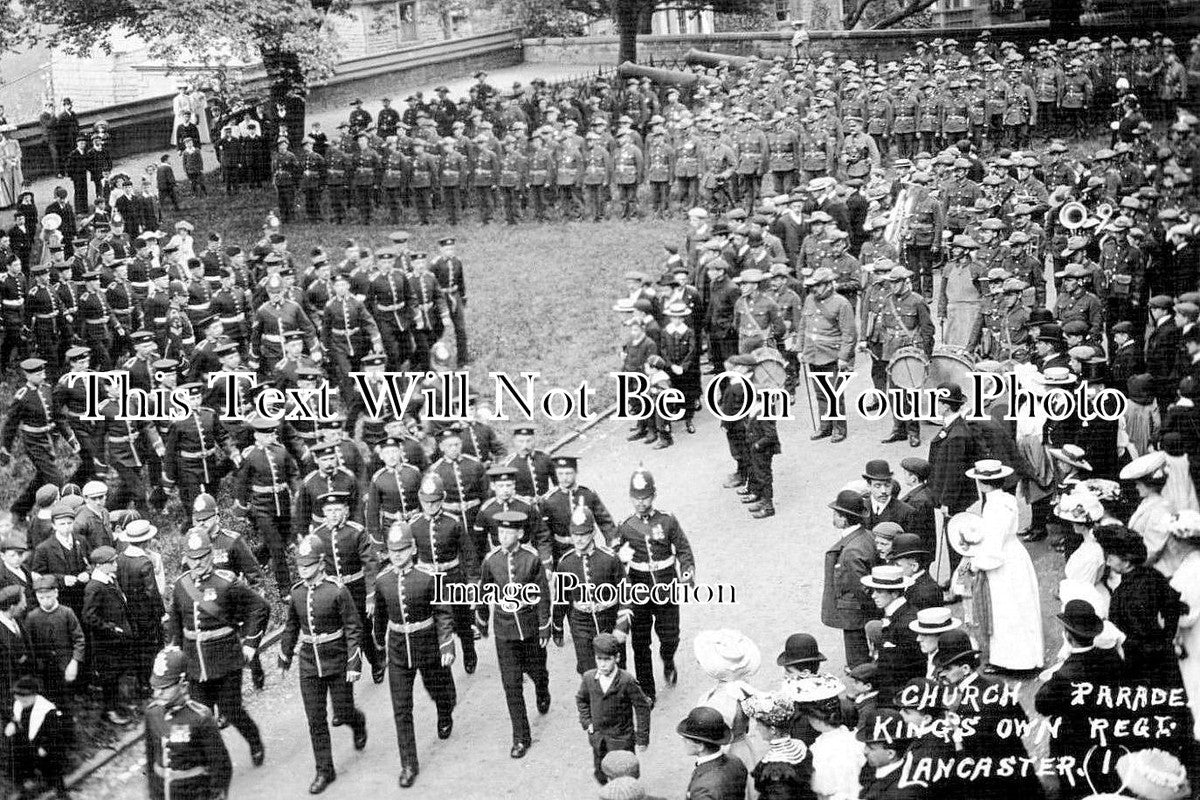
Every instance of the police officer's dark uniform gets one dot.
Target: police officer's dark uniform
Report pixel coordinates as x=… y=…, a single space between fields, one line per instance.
x=212 y=616
x=324 y=628
x=186 y=758
x=417 y=633
x=656 y=551
x=521 y=633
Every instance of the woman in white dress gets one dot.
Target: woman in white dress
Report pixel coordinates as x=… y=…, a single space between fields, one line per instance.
x=181 y=106
x=1085 y=564
x=1003 y=571
x=730 y=657
x=200 y=109
x=1185 y=530
x=837 y=756
x=1154 y=513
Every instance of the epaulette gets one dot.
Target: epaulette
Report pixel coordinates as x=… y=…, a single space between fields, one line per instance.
x=356 y=525
x=385 y=571
x=378 y=472
x=493 y=551
x=553 y=489
x=309 y=475
x=232 y=534
x=488 y=502
x=298 y=584
x=470 y=457
x=531 y=549
x=427 y=569
x=226 y=574
x=603 y=548
x=247 y=451
x=20 y=393
x=630 y=518
x=347 y=471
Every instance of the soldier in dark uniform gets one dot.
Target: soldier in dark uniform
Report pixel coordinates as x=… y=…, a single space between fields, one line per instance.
x=451 y=277
x=360 y=118
x=429 y=309
x=69 y=398
x=535 y=473
x=365 y=162
x=219 y=623
x=521 y=632
x=388 y=301
x=417 y=635
x=263 y=486
x=286 y=172
x=535 y=532
x=329 y=476
x=422 y=179
x=337 y=171
x=446 y=548
x=392 y=490
x=353 y=561
x=325 y=629
x=197 y=449
x=312 y=179
x=905 y=322
x=656 y=551
x=45 y=320
x=590 y=564
x=96 y=322
x=31 y=414
x=185 y=755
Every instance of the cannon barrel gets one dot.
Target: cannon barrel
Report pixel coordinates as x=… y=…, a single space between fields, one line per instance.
x=707 y=59
x=668 y=77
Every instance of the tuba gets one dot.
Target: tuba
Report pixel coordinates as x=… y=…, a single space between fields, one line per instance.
x=1105 y=212
x=1072 y=215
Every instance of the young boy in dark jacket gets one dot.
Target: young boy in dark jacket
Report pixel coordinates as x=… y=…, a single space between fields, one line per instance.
x=609 y=701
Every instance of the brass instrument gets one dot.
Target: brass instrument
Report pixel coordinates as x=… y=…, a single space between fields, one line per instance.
x=1072 y=215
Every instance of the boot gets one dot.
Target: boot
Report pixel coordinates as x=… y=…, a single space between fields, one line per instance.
x=750 y=499
x=839 y=435
x=825 y=432
x=734 y=481
x=767 y=509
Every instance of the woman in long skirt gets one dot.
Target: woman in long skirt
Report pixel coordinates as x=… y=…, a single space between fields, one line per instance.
x=11 y=175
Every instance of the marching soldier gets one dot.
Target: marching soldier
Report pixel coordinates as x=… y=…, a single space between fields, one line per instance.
x=1004 y=321
x=391 y=182
x=365 y=161
x=534 y=533
x=392 y=491
x=559 y=503
x=596 y=177
x=535 y=471
x=1020 y=115
x=451 y=277
x=13 y=290
x=31 y=414
x=185 y=754
x=263 y=487
x=417 y=635
x=589 y=565
x=117 y=446
x=1075 y=302
x=446 y=548
x=513 y=176
x=328 y=477
x=96 y=322
x=784 y=154
x=347 y=328
x=430 y=312
x=325 y=629
x=47 y=326
x=570 y=170
x=69 y=397
x=389 y=304
x=272 y=321
x=196 y=449
x=880 y=119
x=218 y=621
x=688 y=155
x=522 y=628
x=655 y=551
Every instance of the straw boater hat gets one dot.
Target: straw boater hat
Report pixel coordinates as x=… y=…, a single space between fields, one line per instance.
x=1153 y=774
x=989 y=469
x=1071 y=454
x=726 y=655
x=139 y=530
x=888 y=578
x=935 y=620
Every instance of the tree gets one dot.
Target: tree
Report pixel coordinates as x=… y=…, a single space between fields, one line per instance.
x=879 y=14
x=287 y=36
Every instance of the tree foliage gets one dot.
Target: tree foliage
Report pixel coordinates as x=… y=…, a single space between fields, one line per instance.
x=879 y=14
x=548 y=18
x=287 y=36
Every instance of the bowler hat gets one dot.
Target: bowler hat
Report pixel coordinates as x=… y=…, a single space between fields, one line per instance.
x=877 y=470
x=800 y=648
x=951 y=394
x=704 y=724
x=1081 y=619
x=907 y=545
x=849 y=503
x=953 y=646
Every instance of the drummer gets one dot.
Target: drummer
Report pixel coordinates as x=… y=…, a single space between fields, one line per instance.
x=907 y=330
x=1004 y=324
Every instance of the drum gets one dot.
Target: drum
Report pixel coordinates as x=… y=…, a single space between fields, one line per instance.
x=953 y=364
x=908 y=368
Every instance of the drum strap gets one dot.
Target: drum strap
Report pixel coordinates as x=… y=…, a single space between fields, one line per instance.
x=912 y=335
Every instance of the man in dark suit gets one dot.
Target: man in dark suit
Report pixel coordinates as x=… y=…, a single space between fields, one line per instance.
x=896 y=650
x=913 y=476
x=63 y=209
x=845 y=603
x=613 y=709
x=1162 y=346
x=951 y=453
x=1127 y=357
x=911 y=556
x=1056 y=699
x=882 y=504
x=717 y=776
x=885 y=737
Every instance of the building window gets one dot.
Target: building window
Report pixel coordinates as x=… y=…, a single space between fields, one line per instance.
x=390 y=25
x=783 y=9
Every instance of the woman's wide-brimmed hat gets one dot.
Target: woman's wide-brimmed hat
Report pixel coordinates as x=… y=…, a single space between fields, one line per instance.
x=989 y=469
x=1153 y=774
x=726 y=655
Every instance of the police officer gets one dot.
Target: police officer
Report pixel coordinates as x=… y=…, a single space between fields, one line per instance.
x=522 y=628
x=353 y=561
x=655 y=551
x=444 y=547
x=325 y=629
x=186 y=756
x=31 y=414
x=417 y=633
x=218 y=621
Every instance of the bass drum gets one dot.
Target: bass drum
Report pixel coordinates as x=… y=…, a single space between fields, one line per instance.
x=771 y=370
x=953 y=364
x=908 y=368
